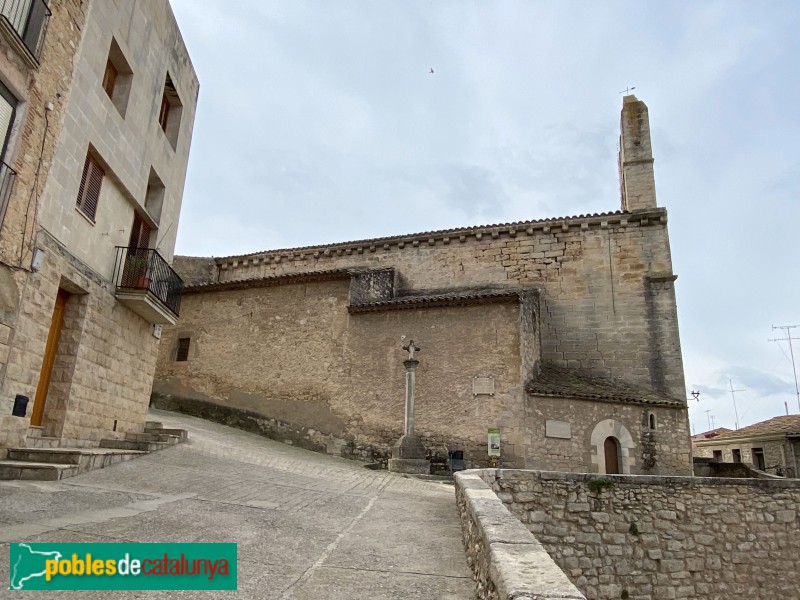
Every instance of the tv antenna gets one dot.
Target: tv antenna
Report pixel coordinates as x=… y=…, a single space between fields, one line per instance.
x=789 y=339
x=733 y=397
x=710 y=420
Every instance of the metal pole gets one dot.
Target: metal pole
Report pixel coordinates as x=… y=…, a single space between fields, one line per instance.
x=794 y=370
x=789 y=338
x=733 y=396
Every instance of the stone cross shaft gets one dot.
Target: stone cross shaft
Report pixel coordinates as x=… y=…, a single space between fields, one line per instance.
x=411 y=367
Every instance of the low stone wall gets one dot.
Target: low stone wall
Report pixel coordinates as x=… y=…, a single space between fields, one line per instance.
x=647 y=537
x=292 y=433
x=506 y=560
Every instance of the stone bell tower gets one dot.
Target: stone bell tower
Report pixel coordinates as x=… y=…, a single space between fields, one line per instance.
x=636 y=180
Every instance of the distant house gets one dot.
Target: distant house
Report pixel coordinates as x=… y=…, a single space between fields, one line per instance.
x=772 y=445
x=707 y=435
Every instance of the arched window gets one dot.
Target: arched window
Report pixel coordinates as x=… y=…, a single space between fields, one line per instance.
x=652 y=421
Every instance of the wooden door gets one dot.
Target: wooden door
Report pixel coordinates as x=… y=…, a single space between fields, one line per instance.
x=611 y=447
x=49 y=357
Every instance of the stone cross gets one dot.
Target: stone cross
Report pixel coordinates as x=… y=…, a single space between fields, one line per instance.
x=411 y=348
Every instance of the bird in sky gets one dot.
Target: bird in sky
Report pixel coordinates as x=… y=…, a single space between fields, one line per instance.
x=431 y=70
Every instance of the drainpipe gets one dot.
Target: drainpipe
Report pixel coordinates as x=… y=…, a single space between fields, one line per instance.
x=794 y=457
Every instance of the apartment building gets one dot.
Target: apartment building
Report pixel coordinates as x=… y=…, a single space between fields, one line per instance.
x=97 y=104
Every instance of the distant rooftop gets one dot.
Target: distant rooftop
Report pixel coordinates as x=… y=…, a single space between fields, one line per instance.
x=786 y=424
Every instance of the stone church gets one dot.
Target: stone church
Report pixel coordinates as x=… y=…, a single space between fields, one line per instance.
x=561 y=333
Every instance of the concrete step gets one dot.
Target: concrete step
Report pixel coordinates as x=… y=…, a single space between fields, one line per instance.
x=44 y=442
x=153 y=425
x=153 y=437
x=20 y=469
x=35 y=431
x=132 y=445
x=83 y=459
x=181 y=433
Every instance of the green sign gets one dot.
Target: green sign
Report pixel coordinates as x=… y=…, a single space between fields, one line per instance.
x=90 y=566
x=494 y=441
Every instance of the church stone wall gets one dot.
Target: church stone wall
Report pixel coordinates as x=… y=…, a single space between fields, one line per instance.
x=291 y=360
x=664 y=450
x=662 y=537
x=607 y=302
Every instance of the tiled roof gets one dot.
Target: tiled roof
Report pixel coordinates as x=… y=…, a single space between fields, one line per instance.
x=433 y=300
x=783 y=425
x=254 y=282
x=613 y=216
x=560 y=382
x=707 y=435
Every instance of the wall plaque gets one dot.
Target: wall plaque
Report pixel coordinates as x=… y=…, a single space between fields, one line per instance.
x=483 y=385
x=558 y=429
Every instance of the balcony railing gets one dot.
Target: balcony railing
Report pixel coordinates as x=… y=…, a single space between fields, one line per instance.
x=28 y=20
x=144 y=269
x=7 y=177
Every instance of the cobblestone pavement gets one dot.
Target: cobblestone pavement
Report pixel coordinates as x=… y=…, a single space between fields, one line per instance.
x=307 y=525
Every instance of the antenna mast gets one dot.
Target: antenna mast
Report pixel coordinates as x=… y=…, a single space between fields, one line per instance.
x=733 y=397
x=789 y=339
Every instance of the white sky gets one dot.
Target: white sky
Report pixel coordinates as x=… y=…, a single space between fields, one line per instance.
x=320 y=122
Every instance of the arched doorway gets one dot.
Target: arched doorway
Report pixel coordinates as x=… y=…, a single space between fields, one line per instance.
x=611 y=449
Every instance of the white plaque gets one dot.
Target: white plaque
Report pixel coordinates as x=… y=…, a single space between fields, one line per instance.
x=483 y=385
x=558 y=429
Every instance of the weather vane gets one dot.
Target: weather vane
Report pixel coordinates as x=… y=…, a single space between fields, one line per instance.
x=627 y=91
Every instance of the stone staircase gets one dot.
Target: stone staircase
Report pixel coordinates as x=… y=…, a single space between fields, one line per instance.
x=50 y=463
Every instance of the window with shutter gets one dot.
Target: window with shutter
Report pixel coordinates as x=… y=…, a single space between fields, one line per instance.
x=140 y=233
x=89 y=191
x=109 y=79
x=8 y=106
x=163 y=116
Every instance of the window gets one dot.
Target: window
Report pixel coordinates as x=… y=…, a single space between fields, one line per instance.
x=24 y=23
x=8 y=109
x=737 y=455
x=717 y=455
x=163 y=114
x=183 y=349
x=154 y=197
x=109 y=78
x=758 y=459
x=169 y=113
x=89 y=191
x=651 y=421
x=140 y=233
x=117 y=78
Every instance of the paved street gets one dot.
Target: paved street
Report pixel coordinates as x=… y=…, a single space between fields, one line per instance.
x=307 y=525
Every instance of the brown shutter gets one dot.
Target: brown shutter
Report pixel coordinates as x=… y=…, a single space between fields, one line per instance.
x=89 y=191
x=109 y=79
x=163 y=115
x=140 y=233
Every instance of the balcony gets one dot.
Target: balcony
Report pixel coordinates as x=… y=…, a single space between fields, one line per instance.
x=147 y=285
x=24 y=24
x=7 y=177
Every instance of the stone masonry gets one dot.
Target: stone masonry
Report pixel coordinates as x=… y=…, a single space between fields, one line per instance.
x=30 y=150
x=662 y=537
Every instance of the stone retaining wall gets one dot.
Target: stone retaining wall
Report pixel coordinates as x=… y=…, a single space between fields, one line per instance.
x=645 y=537
x=506 y=560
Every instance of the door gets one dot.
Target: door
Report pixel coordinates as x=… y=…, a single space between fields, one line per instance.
x=49 y=357
x=611 y=448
